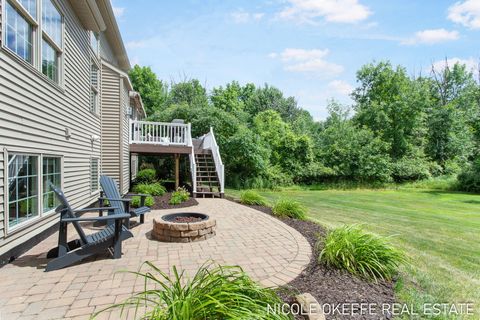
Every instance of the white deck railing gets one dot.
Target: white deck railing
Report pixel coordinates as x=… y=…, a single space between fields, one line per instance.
x=193 y=165
x=209 y=142
x=161 y=133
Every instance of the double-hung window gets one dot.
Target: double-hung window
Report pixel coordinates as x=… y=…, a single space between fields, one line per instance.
x=34 y=32
x=20 y=23
x=52 y=29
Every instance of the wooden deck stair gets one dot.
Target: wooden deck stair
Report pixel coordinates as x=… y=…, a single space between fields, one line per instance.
x=208 y=183
x=206 y=166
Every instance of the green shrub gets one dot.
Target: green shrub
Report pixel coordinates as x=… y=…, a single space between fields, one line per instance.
x=469 y=179
x=290 y=208
x=153 y=189
x=251 y=197
x=411 y=169
x=146 y=176
x=364 y=254
x=179 y=196
x=135 y=203
x=213 y=293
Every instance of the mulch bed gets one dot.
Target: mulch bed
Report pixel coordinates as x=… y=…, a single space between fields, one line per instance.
x=332 y=286
x=161 y=202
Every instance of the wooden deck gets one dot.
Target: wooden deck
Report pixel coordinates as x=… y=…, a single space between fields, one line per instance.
x=153 y=149
x=175 y=138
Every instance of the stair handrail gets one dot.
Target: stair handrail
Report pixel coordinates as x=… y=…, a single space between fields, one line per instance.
x=217 y=158
x=193 y=165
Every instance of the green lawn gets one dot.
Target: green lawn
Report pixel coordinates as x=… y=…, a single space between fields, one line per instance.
x=439 y=231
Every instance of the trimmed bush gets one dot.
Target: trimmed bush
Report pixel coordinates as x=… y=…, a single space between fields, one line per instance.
x=251 y=197
x=146 y=176
x=179 y=196
x=135 y=203
x=361 y=253
x=290 y=208
x=217 y=293
x=153 y=189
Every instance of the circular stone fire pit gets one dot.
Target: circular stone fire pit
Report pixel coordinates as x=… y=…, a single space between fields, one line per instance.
x=183 y=227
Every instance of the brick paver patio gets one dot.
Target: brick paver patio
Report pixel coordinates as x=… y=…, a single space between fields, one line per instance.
x=270 y=251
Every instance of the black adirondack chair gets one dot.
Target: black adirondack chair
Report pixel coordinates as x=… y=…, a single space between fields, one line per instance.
x=121 y=205
x=109 y=238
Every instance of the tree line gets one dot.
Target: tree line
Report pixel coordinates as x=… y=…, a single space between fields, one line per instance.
x=399 y=128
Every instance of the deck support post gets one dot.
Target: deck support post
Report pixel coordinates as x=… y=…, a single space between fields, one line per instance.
x=177 y=171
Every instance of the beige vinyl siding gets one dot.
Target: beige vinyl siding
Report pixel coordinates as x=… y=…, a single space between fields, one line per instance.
x=34 y=116
x=125 y=141
x=2 y=195
x=106 y=51
x=110 y=123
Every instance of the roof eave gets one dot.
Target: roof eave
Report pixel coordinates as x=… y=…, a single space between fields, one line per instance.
x=113 y=35
x=89 y=15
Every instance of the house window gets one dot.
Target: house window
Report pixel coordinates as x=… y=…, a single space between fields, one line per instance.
x=49 y=61
x=35 y=34
x=51 y=174
x=52 y=22
x=51 y=40
x=94 y=175
x=94 y=87
x=30 y=6
x=94 y=42
x=19 y=32
x=22 y=189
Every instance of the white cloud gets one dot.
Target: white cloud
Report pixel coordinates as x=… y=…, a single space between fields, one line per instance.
x=466 y=13
x=307 y=61
x=118 y=11
x=341 y=87
x=242 y=16
x=137 y=44
x=471 y=63
x=341 y=11
x=432 y=36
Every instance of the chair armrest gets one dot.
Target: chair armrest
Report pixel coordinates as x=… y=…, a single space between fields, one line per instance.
x=138 y=195
x=114 y=199
x=94 y=209
x=113 y=216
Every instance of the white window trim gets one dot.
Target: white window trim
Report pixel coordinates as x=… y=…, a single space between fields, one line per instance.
x=41 y=215
x=37 y=35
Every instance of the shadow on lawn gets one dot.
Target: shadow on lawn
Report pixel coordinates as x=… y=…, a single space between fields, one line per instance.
x=445 y=192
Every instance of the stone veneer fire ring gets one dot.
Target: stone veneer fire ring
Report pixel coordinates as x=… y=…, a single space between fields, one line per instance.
x=184 y=227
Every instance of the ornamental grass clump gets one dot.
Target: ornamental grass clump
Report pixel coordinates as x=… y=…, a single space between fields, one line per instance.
x=153 y=189
x=290 y=208
x=251 y=197
x=221 y=292
x=361 y=253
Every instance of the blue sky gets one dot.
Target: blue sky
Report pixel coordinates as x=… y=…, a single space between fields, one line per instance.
x=310 y=49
